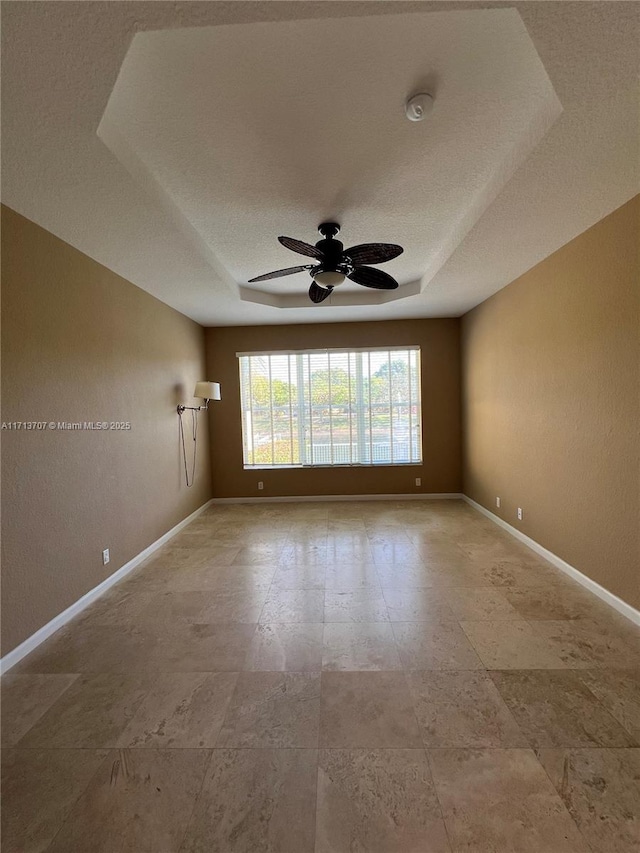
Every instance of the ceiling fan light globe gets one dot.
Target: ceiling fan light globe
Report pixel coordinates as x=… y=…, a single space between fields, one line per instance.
x=329 y=278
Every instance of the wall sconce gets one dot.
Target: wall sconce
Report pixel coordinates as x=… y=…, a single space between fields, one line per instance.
x=205 y=391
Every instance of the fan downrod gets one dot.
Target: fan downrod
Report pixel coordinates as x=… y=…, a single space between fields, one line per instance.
x=329 y=229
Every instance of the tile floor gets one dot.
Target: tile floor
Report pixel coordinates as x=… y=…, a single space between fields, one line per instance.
x=330 y=677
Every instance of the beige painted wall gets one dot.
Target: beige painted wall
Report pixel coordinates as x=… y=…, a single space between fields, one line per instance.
x=80 y=343
x=551 y=402
x=441 y=429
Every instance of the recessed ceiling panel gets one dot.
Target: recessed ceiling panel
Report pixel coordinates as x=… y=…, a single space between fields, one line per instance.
x=245 y=132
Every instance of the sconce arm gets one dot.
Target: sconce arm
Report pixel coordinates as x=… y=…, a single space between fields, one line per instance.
x=181 y=408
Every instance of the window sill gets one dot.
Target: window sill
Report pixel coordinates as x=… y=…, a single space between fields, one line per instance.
x=335 y=465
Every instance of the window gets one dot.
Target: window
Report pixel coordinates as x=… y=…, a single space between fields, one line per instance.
x=331 y=407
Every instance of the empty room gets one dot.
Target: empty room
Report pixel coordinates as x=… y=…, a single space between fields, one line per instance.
x=320 y=427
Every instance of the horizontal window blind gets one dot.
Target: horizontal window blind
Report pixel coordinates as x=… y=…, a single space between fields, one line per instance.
x=331 y=407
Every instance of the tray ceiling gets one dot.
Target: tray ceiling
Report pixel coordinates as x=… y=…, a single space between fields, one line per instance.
x=174 y=144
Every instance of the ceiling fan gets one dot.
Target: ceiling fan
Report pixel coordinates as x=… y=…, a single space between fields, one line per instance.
x=335 y=263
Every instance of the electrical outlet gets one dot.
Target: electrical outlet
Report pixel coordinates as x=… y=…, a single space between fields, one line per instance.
x=498 y=502
x=418 y=481
x=260 y=484
x=520 y=513
x=105 y=557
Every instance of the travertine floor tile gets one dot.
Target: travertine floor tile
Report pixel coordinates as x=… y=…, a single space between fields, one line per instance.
x=363 y=605
x=192 y=647
x=348 y=550
x=224 y=604
x=367 y=709
x=417 y=605
x=235 y=535
x=84 y=647
x=454 y=563
x=286 y=646
x=92 y=713
x=404 y=577
x=432 y=535
x=173 y=558
x=583 y=644
x=255 y=801
x=225 y=576
x=345 y=578
x=610 y=622
x=259 y=554
x=359 y=646
x=294 y=605
x=424 y=576
x=514 y=572
x=462 y=709
x=434 y=645
x=181 y=710
x=501 y=801
x=554 y=708
x=379 y=801
x=349 y=513
x=273 y=709
x=395 y=550
x=485 y=548
x=409 y=604
x=156 y=576
x=25 y=698
x=139 y=801
x=213 y=555
x=438 y=550
x=303 y=555
x=601 y=790
x=199 y=529
x=307 y=530
x=549 y=602
x=234 y=605
x=39 y=789
x=120 y=606
x=478 y=603
x=619 y=691
x=383 y=525
x=298 y=577
x=512 y=645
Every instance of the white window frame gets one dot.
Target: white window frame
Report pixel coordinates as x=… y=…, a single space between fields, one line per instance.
x=361 y=431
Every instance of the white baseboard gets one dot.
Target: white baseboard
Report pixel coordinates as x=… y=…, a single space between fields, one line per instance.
x=433 y=496
x=32 y=642
x=606 y=596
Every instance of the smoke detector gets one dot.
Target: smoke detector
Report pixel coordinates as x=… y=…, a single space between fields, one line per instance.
x=419 y=106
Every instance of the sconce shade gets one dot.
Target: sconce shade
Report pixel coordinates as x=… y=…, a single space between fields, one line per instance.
x=207 y=390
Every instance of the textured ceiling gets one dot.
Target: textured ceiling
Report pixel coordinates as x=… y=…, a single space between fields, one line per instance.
x=254 y=130
x=174 y=142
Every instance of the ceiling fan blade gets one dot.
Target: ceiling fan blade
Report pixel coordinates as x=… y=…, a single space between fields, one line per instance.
x=373 y=278
x=278 y=273
x=373 y=253
x=317 y=293
x=300 y=247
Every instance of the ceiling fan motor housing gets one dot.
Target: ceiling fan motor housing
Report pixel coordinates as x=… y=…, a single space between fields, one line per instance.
x=332 y=251
x=329 y=246
x=334 y=269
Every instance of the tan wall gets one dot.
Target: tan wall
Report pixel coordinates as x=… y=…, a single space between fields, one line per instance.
x=441 y=468
x=551 y=402
x=81 y=344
